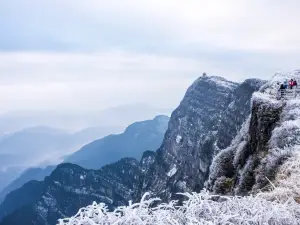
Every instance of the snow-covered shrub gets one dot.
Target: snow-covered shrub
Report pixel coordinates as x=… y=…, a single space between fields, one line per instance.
x=246 y=178
x=223 y=163
x=268 y=167
x=282 y=145
x=287 y=182
x=239 y=153
x=286 y=135
x=201 y=209
x=222 y=166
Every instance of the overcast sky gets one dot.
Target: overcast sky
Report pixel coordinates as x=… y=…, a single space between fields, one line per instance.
x=88 y=55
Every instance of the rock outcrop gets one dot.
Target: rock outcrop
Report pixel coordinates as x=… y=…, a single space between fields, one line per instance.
x=267 y=139
x=207 y=119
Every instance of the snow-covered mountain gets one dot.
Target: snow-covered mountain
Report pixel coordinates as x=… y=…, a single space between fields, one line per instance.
x=263 y=159
x=208 y=118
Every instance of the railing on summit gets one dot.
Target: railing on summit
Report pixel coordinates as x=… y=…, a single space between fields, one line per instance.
x=289 y=93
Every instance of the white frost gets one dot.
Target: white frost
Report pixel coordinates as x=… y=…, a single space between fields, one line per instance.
x=222 y=82
x=178 y=139
x=197 y=209
x=172 y=171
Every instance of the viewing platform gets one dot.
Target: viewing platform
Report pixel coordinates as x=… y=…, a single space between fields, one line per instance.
x=289 y=93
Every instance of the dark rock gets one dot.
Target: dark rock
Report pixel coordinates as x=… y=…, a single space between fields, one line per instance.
x=250 y=153
x=208 y=118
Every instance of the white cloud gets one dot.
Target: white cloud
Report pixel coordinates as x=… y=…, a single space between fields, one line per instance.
x=244 y=25
x=66 y=81
x=108 y=53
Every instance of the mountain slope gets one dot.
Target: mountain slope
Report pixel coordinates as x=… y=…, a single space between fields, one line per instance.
x=37 y=174
x=30 y=193
x=136 y=139
x=208 y=117
x=70 y=187
x=9 y=174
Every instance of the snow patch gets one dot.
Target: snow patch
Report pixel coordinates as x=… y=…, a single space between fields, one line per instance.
x=172 y=171
x=178 y=139
x=222 y=82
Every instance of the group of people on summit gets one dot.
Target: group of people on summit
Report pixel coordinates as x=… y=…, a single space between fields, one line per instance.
x=291 y=84
x=288 y=85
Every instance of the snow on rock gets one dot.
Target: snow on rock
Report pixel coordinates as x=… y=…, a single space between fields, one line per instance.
x=178 y=139
x=172 y=171
x=220 y=81
x=271 y=85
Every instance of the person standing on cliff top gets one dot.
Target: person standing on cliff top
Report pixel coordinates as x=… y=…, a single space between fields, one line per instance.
x=280 y=91
x=295 y=84
x=285 y=84
x=291 y=83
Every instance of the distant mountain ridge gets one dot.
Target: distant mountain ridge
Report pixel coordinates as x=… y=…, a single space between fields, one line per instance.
x=37 y=174
x=116 y=116
x=137 y=138
x=47 y=145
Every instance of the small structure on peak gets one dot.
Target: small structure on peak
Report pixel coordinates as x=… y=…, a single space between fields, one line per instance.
x=204 y=75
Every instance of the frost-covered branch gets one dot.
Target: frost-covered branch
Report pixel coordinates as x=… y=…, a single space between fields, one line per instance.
x=199 y=208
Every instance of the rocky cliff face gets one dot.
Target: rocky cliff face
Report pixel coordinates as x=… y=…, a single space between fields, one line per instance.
x=266 y=140
x=237 y=111
x=207 y=119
